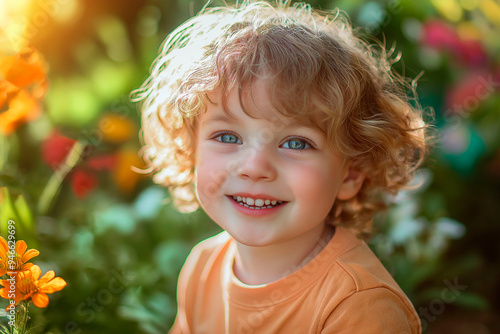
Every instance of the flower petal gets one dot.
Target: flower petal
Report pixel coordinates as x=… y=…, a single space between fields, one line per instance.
x=40 y=299
x=7 y=293
x=24 y=69
x=4 y=293
x=48 y=276
x=6 y=89
x=29 y=255
x=26 y=266
x=56 y=284
x=35 y=272
x=21 y=247
x=3 y=248
x=22 y=108
x=5 y=282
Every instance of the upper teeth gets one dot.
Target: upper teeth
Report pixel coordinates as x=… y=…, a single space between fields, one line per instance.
x=256 y=202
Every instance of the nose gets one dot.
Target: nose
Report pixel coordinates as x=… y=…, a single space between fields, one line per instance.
x=257 y=165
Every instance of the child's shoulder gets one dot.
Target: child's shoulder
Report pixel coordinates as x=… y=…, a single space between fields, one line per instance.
x=362 y=266
x=209 y=245
x=206 y=252
x=366 y=277
x=364 y=282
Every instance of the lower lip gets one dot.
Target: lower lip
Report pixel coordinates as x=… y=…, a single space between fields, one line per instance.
x=255 y=212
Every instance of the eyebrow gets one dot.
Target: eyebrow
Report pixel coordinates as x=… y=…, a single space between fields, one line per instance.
x=310 y=126
x=225 y=117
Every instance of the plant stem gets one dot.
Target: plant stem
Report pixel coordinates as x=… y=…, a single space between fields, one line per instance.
x=26 y=317
x=52 y=188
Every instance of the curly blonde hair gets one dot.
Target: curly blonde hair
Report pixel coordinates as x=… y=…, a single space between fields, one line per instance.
x=316 y=63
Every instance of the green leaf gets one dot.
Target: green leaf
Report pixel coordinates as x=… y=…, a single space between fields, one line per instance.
x=18 y=211
x=4 y=151
x=24 y=214
x=6 y=210
x=472 y=301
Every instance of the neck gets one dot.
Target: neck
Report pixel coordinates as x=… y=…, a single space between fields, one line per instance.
x=260 y=265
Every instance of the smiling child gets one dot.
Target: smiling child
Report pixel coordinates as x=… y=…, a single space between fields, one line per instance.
x=286 y=129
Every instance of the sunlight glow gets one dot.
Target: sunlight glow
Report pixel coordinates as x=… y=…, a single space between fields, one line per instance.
x=13 y=24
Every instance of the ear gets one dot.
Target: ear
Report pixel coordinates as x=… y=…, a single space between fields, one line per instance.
x=351 y=183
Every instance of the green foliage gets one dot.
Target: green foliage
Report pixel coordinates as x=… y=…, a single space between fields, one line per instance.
x=17 y=210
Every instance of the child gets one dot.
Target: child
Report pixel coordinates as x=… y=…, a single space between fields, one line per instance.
x=286 y=129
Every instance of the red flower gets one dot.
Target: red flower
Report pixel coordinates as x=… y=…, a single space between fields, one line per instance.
x=103 y=162
x=55 y=149
x=82 y=183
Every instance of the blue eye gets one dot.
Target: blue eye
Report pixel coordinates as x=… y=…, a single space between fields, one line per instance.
x=296 y=144
x=228 y=138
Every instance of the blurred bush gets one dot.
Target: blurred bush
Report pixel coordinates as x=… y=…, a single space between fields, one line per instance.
x=69 y=142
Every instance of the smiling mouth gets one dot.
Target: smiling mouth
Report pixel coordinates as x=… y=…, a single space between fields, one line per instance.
x=256 y=204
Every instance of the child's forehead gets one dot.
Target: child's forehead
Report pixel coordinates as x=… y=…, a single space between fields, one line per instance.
x=257 y=102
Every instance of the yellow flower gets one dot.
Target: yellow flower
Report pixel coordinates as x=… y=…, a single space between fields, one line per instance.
x=19 y=261
x=28 y=285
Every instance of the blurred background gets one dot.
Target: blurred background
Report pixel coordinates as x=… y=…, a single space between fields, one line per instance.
x=68 y=140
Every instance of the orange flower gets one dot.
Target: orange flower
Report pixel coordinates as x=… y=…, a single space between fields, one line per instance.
x=20 y=258
x=116 y=128
x=124 y=175
x=28 y=285
x=22 y=84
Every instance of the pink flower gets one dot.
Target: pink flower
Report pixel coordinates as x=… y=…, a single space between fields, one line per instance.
x=439 y=35
x=468 y=93
x=442 y=36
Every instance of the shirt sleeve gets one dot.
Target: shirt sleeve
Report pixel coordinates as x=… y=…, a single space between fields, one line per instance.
x=185 y=292
x=374 y=311
x=188 y=283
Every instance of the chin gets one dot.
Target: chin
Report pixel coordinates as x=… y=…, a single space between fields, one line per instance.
x=251 y=239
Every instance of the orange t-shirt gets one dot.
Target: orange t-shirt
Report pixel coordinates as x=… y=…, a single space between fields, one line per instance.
x=343 y=289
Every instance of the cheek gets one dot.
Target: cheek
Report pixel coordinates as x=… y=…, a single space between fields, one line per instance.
x=210 y=176
x=315 y=184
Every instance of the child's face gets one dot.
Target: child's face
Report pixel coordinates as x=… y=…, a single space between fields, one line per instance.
x=265 y=160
